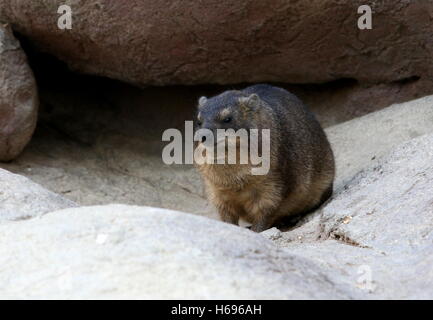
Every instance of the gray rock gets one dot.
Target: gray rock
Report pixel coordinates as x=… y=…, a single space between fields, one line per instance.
x=18 y=97
x=380 y=226
x=393 y=193
x=361 y=142
x=122 y=251
x=22 y=199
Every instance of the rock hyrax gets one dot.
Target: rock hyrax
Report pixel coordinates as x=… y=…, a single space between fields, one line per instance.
x=302 y=166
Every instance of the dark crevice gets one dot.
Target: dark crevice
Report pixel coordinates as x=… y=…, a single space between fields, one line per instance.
x=341 y=237
x=333 y=102
x=407 y=80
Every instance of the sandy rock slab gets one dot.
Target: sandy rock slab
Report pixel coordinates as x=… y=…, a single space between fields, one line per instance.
x=22 y=199
x=18 y=97
x=377 y=232
x=122 y=251
x=362 y=142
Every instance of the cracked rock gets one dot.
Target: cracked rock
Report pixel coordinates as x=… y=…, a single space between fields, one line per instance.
x=388 y=239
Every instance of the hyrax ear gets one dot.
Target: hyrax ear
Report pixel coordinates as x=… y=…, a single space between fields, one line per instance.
x=201 y=102
x=250 y=101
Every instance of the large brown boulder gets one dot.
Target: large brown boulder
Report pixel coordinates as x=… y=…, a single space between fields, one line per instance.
x=228 y=41
x=18 y=97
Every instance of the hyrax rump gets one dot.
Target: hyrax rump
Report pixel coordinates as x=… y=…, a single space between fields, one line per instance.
x=302 y=166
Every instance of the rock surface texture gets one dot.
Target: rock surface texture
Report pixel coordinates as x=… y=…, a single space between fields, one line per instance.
x=138 y=253
x=363 y=141
x=22 y=199
x=379 y=228
x=18 y=97
x=229 y=41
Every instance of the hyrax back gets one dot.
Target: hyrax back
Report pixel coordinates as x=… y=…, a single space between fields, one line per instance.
x=301 y=160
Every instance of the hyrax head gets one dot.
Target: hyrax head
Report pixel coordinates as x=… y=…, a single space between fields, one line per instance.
x=229 y=110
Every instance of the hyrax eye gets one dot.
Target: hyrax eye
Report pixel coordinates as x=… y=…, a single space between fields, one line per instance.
x=227 y=120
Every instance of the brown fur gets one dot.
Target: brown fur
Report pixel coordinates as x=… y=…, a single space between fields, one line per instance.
x=302 y=163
